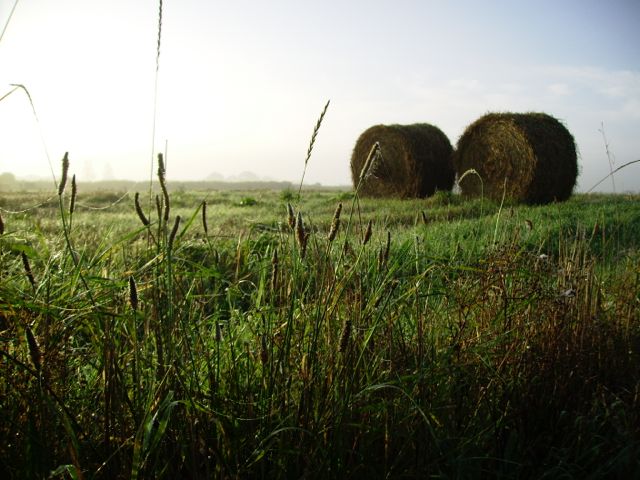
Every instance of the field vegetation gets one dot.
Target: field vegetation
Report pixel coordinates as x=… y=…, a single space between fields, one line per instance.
x=266 y=334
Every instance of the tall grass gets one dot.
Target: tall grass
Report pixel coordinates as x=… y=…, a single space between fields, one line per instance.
x=491 y=340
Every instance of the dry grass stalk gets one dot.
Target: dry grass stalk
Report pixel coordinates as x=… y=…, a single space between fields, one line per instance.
x=27 y=269
x=315 y=133
x=133 y=294
x=174 y=230
x=335 y=223
x=34 y=349
x=291 y=217
x=368 y=232
x=205 y=227
x=163 y=186
x=1 y=225
x=139 y=211
x=425 y=220
x=74 y=193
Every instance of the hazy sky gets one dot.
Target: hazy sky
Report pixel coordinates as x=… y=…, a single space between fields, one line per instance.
x=242 y=83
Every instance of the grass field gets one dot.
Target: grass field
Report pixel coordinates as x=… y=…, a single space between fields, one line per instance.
x=463 y=339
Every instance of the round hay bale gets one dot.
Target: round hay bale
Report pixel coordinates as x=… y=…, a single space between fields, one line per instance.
x=415 y=161
x=527 y=157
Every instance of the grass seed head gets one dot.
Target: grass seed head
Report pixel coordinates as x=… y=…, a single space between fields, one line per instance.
x=205 y=227
x=74 y=193
x=291 y=216
x=174 y=230
x=133 y=294
x=367 y=233
x=139 y=211
x=65 y=172
x=335 y=224
x=34 y=349
x=27 y=270
x=368 y=164
x=299 y=227
x=346 y=335
x=1 y=225
x=383 y=257
x=159 y=207
x=162 y=178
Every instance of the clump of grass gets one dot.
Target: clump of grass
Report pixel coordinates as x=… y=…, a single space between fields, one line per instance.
x=227 y=358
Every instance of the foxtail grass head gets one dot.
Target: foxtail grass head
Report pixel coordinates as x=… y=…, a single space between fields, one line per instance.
x=174 y=231
x=367 y=233
x=65 y=172
x=74 y=193
x=133 y=294
x=27 y=270
x=368 y=164
x=335 y=223
x=302 y=236
x=139 y=211
x=205 y=227
x=34 y=349
x=291 y=217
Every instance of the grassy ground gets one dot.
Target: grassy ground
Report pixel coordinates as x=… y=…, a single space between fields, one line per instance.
x=463 y=339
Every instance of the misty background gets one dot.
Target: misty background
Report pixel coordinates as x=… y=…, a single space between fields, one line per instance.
x=241 y=84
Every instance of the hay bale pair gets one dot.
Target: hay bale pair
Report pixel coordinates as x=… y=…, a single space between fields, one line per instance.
x=414 y=161
x=523 y=157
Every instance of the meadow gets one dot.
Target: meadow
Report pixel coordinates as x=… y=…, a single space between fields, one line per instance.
x=270 y=334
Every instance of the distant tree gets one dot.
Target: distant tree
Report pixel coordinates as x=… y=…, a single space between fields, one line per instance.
x=7 y=180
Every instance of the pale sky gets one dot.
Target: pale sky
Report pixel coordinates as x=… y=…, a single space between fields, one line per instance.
x=241 y=83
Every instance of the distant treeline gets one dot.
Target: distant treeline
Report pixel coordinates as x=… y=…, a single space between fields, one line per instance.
x=8 y=184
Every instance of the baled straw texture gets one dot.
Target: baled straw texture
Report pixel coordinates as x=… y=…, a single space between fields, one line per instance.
x=525 y=157
x=415 y=161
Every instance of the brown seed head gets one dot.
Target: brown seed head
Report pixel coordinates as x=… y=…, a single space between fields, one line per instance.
x=34 y=349
x=299 y=227
x=367 y=233
x=27 y=269
x=74 y=193
x=139 y=211
x=1 y=226
x=373 y=153
x=163 y=186
x=174 y=230
x=291 y=216
x=335 y=224
x=346 y=335
x=133 y=294
x=204 y=217
x=65 y=171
